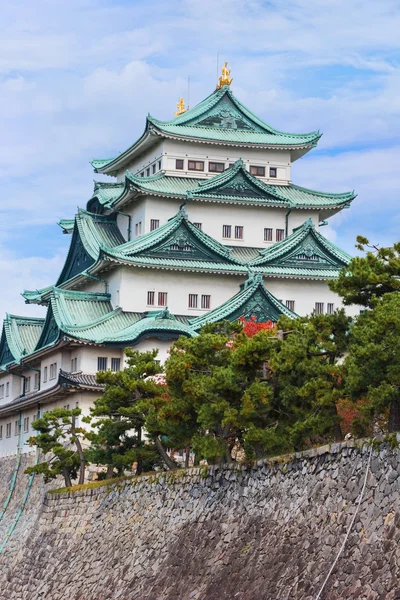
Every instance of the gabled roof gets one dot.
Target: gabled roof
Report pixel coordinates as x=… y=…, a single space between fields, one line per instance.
x=252 y=300
x=89 y=317
x=104 y=194
x=237 y=185
x=19 y=337
x=91 y=233
x=304 y=253
x=218 y=119
x=177 y=244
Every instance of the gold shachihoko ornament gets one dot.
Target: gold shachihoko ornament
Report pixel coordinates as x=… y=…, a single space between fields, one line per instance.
x=181 y=107
x=225 y=79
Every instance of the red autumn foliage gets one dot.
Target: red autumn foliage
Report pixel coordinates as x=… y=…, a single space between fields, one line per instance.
x=252 y=326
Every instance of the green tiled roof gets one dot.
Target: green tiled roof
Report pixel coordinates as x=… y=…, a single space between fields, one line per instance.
x=177 y=244
x=19 y=337
x=252 y=300
x=67 y=225
x=37 y=296
x=221 y=119
x=235 y=185
x=164 y=185
x=238 y=185
x=89 y=317
x=106 y=193
x=304 y=253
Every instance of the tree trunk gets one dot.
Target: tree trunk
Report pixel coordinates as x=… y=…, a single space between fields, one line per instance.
x=67 y=478
x=394 y=416
x=139 y=463
x=110 y=472
x=161 y=451
x=187 y=457
x=80 y=452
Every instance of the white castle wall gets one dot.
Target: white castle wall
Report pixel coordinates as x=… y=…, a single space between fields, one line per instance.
x=169 y=150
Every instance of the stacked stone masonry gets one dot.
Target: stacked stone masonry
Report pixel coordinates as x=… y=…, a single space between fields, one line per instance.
x=267 y=531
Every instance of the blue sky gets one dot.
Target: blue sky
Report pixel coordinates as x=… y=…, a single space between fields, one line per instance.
x=77 y=79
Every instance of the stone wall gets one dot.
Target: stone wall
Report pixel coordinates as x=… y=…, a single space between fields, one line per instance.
x=265 y=531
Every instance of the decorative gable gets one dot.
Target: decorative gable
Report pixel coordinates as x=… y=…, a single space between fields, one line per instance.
x=227 y=116
x=6 y=356
x=309 y=253
x=78 y=259
x=51 y=331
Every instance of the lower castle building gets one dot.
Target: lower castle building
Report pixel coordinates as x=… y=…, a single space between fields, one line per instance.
x=201 y=223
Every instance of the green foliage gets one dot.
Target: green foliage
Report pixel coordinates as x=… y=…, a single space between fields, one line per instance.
x=370 y=276
x=308 y=377
x=59 y=437
x=118 y=416
x=373 y=365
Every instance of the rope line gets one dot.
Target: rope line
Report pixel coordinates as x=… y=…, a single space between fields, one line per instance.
x=349 y=528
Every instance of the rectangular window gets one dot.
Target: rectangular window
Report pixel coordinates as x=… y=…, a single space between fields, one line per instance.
x=1 y=432
x=226 y=231
x=290 y=305
x=196 y=165
x=319 y=308
x=102 y=363
x=45 y=375
x=36 y=382
x=272 y=172
x=154 y=168
x=268 y=234
x=27 y=384
x=179 y=164
x=159 y=165
x=199 y=226
x=257 y=171
x=53 y=370
x=115 y=364
x=26 y=424
x=330 y=308
x=162 y=298
x=148 y=172
x=74 y=365
x=154 y=224
x=16 y=427
x=142 y=174
x=215 y=167
x=280 y=235
x=8 y=430
x=205 y=301
x=2 y=391
x=7 y=388
x=150 y=298
x=138 y=229
x=238 y=232
x=193 y=300
x=66 y=407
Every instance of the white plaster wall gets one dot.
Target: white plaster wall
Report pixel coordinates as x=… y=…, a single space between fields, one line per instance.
x=87 y=357
x=213 y=216
x=169 y=150
x=145 y=160
x=305 y=293
x=136 y=282
x=14 y=387
x=152 y=343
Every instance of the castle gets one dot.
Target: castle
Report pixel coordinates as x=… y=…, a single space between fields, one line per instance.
x=200 y=223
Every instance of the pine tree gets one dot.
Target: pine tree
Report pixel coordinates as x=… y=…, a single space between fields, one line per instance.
x=370 y=276
x=59 y=437
x=373 y=364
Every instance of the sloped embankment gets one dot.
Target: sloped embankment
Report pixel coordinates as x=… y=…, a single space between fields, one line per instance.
x=269 y=531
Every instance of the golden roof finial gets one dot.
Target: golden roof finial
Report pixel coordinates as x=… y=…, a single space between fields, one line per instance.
x=224 y=79
x=181 y=107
